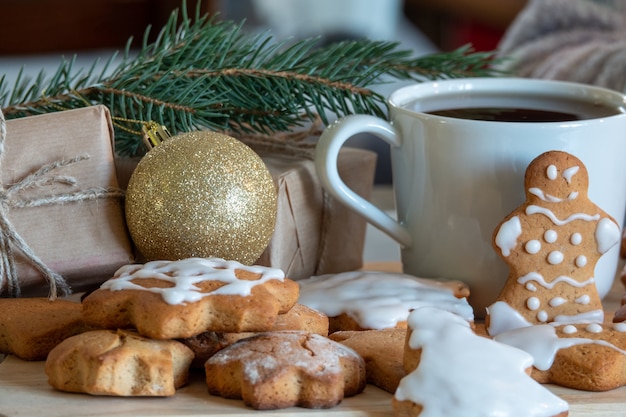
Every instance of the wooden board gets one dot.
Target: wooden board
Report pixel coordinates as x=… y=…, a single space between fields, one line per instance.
x=24 y=392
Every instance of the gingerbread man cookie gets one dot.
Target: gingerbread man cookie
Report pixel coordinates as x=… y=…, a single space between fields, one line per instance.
x=551 y=244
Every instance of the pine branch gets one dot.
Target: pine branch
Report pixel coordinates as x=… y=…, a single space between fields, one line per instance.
x=203 y=73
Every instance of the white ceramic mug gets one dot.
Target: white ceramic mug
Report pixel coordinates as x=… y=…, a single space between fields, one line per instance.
x=455 y=179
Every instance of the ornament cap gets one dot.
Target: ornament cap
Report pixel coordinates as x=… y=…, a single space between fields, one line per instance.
x=154 y=134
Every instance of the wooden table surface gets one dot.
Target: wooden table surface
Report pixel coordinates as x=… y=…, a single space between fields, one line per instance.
x=24 y=392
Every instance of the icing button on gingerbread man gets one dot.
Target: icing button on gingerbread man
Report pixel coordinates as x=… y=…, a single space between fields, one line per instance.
x=551 y=244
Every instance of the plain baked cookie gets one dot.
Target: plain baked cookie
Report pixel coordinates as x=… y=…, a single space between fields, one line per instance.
x=382 y=351
x=301 y=317
x=31 y=327
x=371 y=300
x=451 y=371
x=118 y=363
x=551 y=244
x=178 y=299
x=285 y=369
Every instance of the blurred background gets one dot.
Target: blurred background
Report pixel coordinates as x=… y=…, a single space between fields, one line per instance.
x=50 y=26
x=36 y=34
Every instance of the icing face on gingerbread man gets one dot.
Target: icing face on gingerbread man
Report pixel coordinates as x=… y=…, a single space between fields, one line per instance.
x=557 y=184
x=551 y=244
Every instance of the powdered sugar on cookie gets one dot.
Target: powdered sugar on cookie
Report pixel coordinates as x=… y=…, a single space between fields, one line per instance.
x=283 y=369
x=314 y=356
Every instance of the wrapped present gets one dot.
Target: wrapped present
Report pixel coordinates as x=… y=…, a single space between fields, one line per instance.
x=315 y=234
x=61 y=219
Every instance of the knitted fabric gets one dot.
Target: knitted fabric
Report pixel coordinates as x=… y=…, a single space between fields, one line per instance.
x=570 y=40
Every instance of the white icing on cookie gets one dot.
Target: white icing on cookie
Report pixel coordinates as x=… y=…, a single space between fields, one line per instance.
x=506 y=238
x=539 y=279
x=555 y=257
x=592 y=315
x=533 y=303
x=185 y=273
x=607 y=234
x=583 y=299
x=548 y=198
x=533 y=209
x=503 y=317
x=542 y=316
x=542 y=342
x=551 y=172
x=378 y=300
x=550 y=236
x=446 y=383
x=533 y=246
x=568 y=173
x=569 y=329
x=557 y=301
x=619 y=327
x=594 y=328
x=576 y=239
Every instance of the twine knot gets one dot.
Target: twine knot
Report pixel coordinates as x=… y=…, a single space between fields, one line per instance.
x=10 y=199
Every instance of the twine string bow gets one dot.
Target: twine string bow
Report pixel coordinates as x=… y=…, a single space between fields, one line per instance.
x=10 y=199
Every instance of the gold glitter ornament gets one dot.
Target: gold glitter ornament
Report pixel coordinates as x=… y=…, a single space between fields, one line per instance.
x=201 y=194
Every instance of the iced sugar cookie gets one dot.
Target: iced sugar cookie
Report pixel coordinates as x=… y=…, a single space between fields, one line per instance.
x=178 y=299
x=372 y=300
x=451 y=371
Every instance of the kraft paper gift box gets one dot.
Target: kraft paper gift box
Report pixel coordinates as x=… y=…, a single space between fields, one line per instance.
x=84 y=241
x=315 y=234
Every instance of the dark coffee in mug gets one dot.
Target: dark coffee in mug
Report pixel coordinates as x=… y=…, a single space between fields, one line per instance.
x=516 y=108
x=494 y=114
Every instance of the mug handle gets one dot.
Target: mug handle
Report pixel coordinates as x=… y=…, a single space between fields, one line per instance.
x=326 y=154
